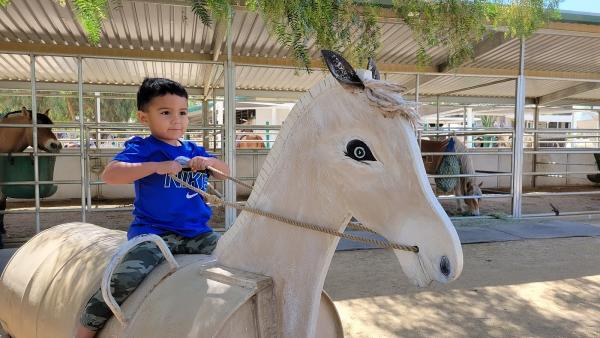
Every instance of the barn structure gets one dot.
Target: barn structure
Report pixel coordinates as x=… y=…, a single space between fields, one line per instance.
x=527 y=109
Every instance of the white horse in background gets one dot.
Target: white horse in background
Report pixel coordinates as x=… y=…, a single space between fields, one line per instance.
x=348 y=148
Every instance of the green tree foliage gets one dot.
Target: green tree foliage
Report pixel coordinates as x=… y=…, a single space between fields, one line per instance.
x=459 y=25
x=64 y=106
x=350 y=26
x=90 y=14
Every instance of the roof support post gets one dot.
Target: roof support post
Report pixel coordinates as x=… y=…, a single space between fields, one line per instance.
x=229 y=121
x=536 y=141
x=519 y=131
x=36 y=162
x=205 y=133
x=83 y=142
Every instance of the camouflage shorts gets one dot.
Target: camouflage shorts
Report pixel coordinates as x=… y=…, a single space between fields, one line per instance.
x=135 y=266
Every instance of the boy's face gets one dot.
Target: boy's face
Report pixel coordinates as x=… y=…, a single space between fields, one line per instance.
x=167 y=117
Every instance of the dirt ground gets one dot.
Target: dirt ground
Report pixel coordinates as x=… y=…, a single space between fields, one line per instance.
x=537 y=204
x=536 y=288
x=22 y=226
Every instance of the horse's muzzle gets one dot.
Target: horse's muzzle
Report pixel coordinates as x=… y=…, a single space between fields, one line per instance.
x=56 y=146
x=445 y=268
x=51 y=147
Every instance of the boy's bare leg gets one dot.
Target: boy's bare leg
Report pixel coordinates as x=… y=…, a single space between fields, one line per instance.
x=84 y=332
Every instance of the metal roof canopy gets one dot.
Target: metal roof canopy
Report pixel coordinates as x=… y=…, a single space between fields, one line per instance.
x=150 y=38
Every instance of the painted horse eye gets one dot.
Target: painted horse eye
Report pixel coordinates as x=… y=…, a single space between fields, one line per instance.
x=359 y=151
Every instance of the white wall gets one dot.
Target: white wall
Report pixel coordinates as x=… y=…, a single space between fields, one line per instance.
x=248 y=165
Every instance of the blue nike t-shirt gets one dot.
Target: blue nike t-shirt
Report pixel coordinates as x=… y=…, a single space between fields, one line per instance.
x=162 y=204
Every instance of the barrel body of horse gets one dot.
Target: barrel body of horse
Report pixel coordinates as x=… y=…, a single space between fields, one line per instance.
x=50 y=278
x=48 y=281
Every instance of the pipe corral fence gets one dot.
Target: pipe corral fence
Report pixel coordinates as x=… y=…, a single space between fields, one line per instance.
x=516 y=158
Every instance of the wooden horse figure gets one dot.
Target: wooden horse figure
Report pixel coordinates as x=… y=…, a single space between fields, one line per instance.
x=18 y=139
x=348 y=148
x=463 y=186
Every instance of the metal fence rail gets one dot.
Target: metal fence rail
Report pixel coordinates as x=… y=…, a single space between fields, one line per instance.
x=534 y=141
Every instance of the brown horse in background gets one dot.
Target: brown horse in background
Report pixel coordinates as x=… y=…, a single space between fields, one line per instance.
x=466 y=186
x=244 y=141
x=17 y=139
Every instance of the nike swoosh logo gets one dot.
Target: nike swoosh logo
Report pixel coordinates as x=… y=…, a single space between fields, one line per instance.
x=190 y=196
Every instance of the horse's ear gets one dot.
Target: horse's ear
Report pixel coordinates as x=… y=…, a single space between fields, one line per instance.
x=25 y=112
x=480 y=184
x=373 y=68
x=47 y=111
x=341 y=69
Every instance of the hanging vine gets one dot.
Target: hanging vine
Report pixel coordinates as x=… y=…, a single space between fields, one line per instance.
x=459 y=25
x=351 y=27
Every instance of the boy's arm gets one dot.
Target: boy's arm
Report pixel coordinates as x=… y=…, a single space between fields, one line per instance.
x=200 y=163
x=117 y=172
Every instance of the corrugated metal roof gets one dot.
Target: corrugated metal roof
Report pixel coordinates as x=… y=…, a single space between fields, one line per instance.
x=105 y=71
x=263 y=78
x=398 y=46
x=545 y=52
x=14 y=67
x=592 y=94
x=155 y=26
x=444 y=84
x=251 y=37
x=133 y=25
x=533 y=88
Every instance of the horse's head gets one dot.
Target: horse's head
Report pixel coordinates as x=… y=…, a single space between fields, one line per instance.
x=472 y=189
x=46 y=140
x=370 y=159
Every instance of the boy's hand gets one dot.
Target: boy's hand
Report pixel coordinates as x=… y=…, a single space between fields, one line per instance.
x=168 y=167
x=200 y=163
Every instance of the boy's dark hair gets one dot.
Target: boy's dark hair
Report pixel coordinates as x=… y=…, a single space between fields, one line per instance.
x=155 y=86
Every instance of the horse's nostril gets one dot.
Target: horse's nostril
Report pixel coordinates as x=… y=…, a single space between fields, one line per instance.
x=445 y=266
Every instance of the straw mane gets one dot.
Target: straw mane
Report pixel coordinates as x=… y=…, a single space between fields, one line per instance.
x=388 y=98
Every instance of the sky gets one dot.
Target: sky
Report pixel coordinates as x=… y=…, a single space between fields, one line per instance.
x=592 y=6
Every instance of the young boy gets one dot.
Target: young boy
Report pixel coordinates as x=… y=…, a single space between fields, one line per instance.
x=161 y=206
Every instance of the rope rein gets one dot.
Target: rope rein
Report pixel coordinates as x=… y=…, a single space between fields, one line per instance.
x=213 y=199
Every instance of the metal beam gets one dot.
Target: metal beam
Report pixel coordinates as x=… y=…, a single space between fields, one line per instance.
x=423 y=80
x=102 y=52
x=568 y=92
x=217 y=45
x=132 y=89
x=89 y=87
x=530 y=74
x=475 y=87
x=270 y=62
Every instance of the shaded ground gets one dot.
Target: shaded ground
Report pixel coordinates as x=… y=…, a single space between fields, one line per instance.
x=537 y=205
x=529 y=288
x=534 y=288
